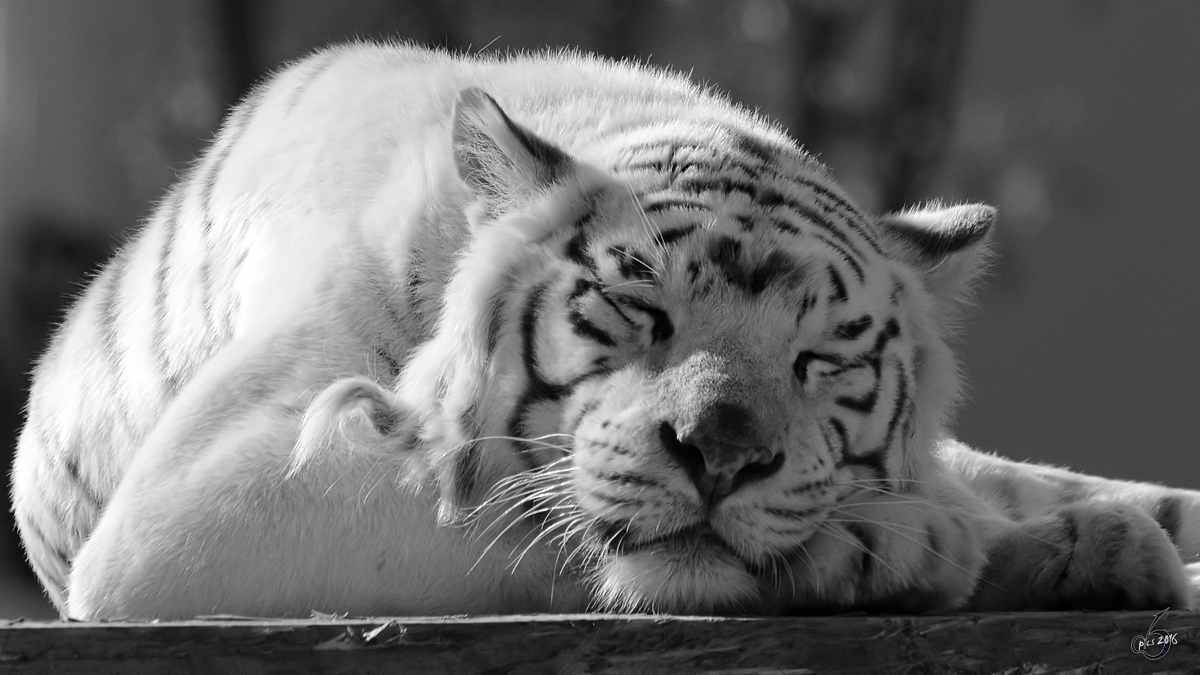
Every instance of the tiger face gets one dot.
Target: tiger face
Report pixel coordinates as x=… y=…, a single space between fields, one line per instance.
x=704 y=368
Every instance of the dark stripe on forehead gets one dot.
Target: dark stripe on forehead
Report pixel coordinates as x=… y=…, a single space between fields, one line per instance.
x=838 y=295
x=667 y=204
x=859 y=272
x=759 y=167
x=772 y=199
x=854 y=219
x=756 y=148
x=664 y=239
x=778 y=268
x=769 y=198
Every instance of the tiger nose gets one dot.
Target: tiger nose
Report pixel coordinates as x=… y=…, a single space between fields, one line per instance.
x=717 y=461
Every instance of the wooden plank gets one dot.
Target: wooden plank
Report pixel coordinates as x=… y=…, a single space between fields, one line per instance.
x=1076 y=642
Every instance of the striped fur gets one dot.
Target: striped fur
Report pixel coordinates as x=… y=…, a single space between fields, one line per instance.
x=604 y=341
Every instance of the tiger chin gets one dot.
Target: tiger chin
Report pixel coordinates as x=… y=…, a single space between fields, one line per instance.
x=436 y=334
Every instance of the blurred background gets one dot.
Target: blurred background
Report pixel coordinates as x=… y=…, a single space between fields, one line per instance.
x=1080 y=119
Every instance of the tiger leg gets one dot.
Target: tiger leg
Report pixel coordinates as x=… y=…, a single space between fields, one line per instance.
x=1090 y=555
x=1078 y=541
x=889 y=551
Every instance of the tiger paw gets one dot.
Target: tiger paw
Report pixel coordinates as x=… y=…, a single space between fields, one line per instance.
x=888 y=552
x=1098 y=555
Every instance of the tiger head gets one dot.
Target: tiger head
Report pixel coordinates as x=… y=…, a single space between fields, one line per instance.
x=678 y=349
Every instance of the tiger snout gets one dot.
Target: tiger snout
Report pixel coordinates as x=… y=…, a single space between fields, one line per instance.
x=721 y=453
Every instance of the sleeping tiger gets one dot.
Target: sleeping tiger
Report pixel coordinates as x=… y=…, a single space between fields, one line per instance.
x=436 y=334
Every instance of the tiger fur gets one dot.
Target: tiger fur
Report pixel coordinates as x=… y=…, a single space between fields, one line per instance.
x=605 y=341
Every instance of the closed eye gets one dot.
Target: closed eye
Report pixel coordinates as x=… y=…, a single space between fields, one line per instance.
x=661 y=327
x=811 y=367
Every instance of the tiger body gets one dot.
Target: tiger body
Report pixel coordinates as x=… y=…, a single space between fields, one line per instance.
x=605 y=341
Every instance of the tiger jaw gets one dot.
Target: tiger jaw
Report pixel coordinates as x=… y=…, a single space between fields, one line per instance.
x=694 y=570
x=689 y=572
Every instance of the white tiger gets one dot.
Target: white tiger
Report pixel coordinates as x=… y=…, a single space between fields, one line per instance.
x=604 y=341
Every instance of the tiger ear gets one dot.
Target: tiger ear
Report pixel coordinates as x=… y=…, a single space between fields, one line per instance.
x=499 y=159
x=946 y=245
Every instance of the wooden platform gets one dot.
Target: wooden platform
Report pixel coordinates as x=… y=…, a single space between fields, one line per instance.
x=1075 y=642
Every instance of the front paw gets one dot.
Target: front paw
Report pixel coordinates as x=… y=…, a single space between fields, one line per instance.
x=1099 y=555
x=887 y=552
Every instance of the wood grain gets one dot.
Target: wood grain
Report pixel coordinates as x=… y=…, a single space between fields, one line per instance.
x=1071 y=642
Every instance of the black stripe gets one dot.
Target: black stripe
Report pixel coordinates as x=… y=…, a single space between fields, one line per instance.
x=757 y=148
x=778 y=269
x=901 y=408
x=550 y=163
x=839 y=429
x=846 y=257
x=631 y=263
x=866 y=549
x=393 y=364
x=762 y=174
x=1168 y=515
x=854 y=219
x=584 y=410
x=897 y=291
x=875 y=461
x=805 y=359
x=665 y=204
x=839 y=294
x=497 y=308
x=231 y=133
x=864 y=404
x=414 y=281
x=723 y=185
x=324 y=61
x=806 y=305
x=852 y=330
x=664 y=239
x=577 y=252
x=795 y=514
x=662 y=328
x=770 y=198
x=626 y=478
x=933 y=543
x=580 y=323
x=108 y=288
x=466 y=472
x=537 y=389
x=162 y=356
x=84 y=488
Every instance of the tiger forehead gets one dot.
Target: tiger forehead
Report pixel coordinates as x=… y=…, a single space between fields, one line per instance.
x=706 y=257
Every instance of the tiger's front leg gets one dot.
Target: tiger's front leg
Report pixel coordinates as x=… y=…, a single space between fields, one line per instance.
x=1090 y=555
x=885 y=551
